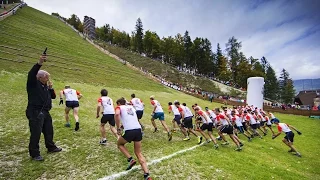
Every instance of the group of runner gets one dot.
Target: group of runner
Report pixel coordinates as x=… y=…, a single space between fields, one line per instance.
x=124 y=122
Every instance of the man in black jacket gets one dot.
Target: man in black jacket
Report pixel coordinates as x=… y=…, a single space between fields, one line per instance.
x=40 y=93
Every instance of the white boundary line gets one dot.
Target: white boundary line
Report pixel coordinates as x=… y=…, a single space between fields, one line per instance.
x=117 y=175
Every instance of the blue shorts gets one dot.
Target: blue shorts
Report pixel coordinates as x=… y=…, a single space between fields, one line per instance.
x=177 y=118
x=240 y=128
x=158 y=115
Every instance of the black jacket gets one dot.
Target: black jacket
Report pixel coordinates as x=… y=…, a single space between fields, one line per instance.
x=39 y=95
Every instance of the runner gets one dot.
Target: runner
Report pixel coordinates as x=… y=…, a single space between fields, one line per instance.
x=176 y=113
x=187 y=120
x=158 y=113
x=268 y=123
x=138 y=106
x=288 y=139
x=108 y=115
x=252 y=122
x=238 y=125
x=132 y=132
x=207 y=124
x=72 y=102
x=226 y=127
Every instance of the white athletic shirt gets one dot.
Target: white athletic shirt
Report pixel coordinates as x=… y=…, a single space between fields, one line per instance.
x=174 y=109
x=282 y=127
x=261 y=117
x=187 y=111
x=268 y=120
x=237 y=120
x=250 y=118
x=128 y=117
x=272 y=116
x=158 y=106
x=211 y=114
x=137 y=104
x=203 y=116
x=222 y=119
x=71 y=94
x=107 y=104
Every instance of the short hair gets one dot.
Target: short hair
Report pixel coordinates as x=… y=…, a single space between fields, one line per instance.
x=133 y=95
x=176 y=103
x=152 y=97
x=42 y=73
x=121 y=101
x=196 y=108
x=184 y=104
x=217 y=109
x=170 y=103
x=67 y=86
x=104 y=92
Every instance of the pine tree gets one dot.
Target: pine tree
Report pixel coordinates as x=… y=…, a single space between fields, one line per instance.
x=233 y=48
x=271 y=86
x=139 y=36
x=286 y=87
x=187 y=44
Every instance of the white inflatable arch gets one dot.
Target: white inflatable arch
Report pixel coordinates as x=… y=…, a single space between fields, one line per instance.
x=255 y=91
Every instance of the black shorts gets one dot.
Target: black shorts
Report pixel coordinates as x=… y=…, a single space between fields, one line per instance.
x=269 y=125
x=72 y=104
x=289 y=136
x=177 y=119
x=139 y=114
x=187 y=122
x=108 y=118
x=262 y=123
x=132 y=135
x=254 y=126
x=227 y=129
x=207 y=127
x=244 y=125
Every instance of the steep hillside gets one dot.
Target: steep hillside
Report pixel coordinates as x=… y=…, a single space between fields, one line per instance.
x=24 y=37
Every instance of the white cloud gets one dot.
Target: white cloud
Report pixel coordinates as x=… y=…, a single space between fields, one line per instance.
x=266 y=28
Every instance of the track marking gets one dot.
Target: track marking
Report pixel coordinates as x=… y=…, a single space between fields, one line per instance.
x=155 y=161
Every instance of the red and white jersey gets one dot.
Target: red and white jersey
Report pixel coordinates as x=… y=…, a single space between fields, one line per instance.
x=158 y=106
x=107 y=104
x=137 y=104
x=222 y=119
x=250 y=118
x=211 y=114
x=283 y=127
x=128 y=117
x=236 y=112
x=71 y=94
x=187 y=111
x=268 y=120
x=204 y=117
x=272 y=116
x=261 y=117
x=237 y=120
x=174 y=109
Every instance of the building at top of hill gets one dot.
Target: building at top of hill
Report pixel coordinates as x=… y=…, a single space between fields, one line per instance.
x=89 y=27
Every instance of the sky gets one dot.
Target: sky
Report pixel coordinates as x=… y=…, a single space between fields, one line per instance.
x=286 y=32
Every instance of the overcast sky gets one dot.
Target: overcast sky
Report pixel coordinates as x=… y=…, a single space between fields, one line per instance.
x=287 y=33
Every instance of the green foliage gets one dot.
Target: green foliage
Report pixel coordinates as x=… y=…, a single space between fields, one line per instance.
x=287 y=91
x=271 y=86
x=139 y=36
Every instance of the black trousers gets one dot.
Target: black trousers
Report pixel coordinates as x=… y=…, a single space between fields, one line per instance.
x=38 y=124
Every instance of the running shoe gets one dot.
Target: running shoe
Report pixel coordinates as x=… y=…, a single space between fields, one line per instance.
x=186 y=139
x=216 y=146
x=238 y=149
x=199 y=139
x=131 y=164
x=77 y=126
x=155 y=130
x=169 y=136
x=103 y=142
x=241 y=144
x=67 y=125
x=225 y=143
x=298 y=154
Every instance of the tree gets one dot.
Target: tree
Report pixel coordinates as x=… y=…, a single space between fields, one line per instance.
x=271 y=86
x=286 y=87
x=139 y=36
x=74 y=21
x=233 y=47
x=151 y=42
x=187 y=46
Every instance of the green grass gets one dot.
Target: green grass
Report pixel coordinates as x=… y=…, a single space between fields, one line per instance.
x=82 y=157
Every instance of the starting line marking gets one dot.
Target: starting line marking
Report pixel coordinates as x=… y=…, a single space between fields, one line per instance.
x=155 y=161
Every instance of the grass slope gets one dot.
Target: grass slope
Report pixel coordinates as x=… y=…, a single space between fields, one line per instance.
x=82 y=157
